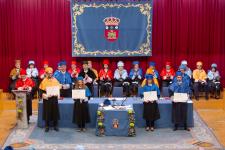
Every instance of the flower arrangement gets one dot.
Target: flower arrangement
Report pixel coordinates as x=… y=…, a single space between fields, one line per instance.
x=100 y=124
x=20 y=108
x=131 y=116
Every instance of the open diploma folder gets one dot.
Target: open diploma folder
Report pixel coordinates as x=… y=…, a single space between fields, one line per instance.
x=150 y=96
x=53 y=91
x=180 y=97
x=78 y=94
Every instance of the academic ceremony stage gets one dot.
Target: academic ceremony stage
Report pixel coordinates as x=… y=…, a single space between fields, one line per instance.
x=147 y=74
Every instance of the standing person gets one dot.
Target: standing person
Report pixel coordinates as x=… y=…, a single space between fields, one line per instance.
x=200 y=77
x=121 y=78
x=26 y=83
x=167 y=74
x=80 y=111
x=214 y=81
x=88 y=75
x=136 y=76
x=179 y=109
x=105 y=79
x=151 y=110
x=42 y=71
x=74 y=71
x=64 y=79
x=50 y=103
x=15 y=74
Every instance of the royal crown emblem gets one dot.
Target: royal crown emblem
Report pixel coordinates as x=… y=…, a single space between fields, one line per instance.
x=111 y=28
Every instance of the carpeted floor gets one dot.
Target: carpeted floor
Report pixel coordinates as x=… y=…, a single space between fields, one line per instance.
x=34 y=137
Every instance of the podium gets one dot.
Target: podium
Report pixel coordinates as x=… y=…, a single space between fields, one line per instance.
x=21 y=108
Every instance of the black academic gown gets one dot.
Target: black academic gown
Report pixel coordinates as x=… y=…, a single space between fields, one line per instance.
x=50 y=109
x=92 y=75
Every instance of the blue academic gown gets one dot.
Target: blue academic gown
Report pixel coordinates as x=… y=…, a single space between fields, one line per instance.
x=64 y=78
x=179 y=109
x=151 y=110
x=185 y=78
x=136 y=74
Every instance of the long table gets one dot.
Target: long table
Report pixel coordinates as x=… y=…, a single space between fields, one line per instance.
x=165 y=108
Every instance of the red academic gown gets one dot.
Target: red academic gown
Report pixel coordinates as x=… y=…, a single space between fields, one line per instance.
x=27 y=83
x=104 y=74
x=169 y=73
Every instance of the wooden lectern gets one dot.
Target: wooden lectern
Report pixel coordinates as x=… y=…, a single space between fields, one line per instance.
x=21 y=108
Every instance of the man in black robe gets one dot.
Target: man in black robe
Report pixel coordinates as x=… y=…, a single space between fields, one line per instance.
x=179 y=109
x=88 y=75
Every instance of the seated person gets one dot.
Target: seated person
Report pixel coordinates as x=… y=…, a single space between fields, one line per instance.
x=135 y=76
x=50 y=103
x=121 y=78
x=179 y=109
x=80 y=110
x=167 y=74
x=105 y=79
x=15 y=74
x=154 y=72
x=94 y=70
x=32 y=73
x=214 y=81
x=151 y=110
x=42 y=72
x=74 y=71
x=64 y=79
x=26 y=83
x=88 y=76
x=200 y=77
x=187 y=69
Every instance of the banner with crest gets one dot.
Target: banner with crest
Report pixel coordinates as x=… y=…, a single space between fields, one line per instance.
x=112 y=29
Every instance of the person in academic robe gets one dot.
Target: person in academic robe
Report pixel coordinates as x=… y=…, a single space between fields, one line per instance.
x=15 y=74
x=50 y=103
x=151 y=110
x=42 y=74
x=105 y=79
x=26 y=83
x=200 y=81
x=59 y=69
x=185 y=77
x=152 y=70
x=214 y=81
x=94 y=70
x=167 y=74
x=121 y=78
x=80 y=111
x=64 y=79
x=179 y=109
x=187 y=69
x=135 y=76
x=88 y=75
x=74 y=71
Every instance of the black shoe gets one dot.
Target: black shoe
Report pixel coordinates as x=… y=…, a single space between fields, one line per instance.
x=175 y=129
x=46 y=129
x=207 y=97
x=56 y=129
x=187 y=129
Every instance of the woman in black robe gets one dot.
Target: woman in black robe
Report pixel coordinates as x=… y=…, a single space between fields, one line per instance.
x=151 y=110
x=80 y=110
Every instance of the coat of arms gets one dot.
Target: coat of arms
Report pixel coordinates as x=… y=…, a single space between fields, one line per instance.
x=111 y=28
